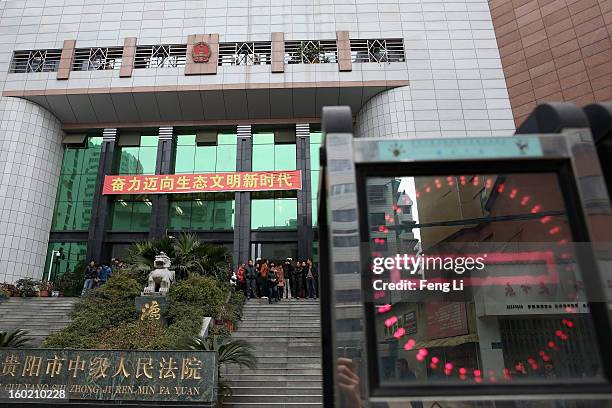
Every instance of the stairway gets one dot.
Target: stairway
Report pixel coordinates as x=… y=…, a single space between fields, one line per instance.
x=40 y=316
x=287 y=340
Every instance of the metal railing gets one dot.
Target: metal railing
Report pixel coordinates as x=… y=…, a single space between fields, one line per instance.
x=379 y=50
x=95 y=59
x=311 y=52
x=35 y=61
x=160 y=56
x=245 y=53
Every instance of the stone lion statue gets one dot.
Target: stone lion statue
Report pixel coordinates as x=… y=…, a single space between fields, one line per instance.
x=161 y=277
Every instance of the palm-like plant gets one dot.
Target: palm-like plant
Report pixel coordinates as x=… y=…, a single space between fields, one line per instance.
x=238 y=352
x=188 y=254
x=14 y=339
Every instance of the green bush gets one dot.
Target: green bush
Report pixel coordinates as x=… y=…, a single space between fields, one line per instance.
x=27 y=287
x=142 y=335
x=71 y=283
x=106 y=317
x=101 y=309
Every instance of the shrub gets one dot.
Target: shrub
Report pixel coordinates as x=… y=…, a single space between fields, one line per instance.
x=142 y=335
x=14 y=339
x=28 y=287
x=202 y=292
x=70 y=283
x=101 y=309
x=10 y=289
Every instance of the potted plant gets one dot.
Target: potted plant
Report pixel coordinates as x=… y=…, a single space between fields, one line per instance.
x=4 y=294
x=27 y=287
x=9 y=289
x=45 y=289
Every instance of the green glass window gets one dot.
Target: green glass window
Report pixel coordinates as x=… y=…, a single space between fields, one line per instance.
x=139 y=159
x=315 y=166
x=268 y=156
x=191 y=158
x=274 y=210
x=77 y=183
x=63 y=257
x=131 y=214
x=202 y=212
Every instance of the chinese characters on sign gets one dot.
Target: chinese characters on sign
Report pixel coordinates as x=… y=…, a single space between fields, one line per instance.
x=201 y=183
x=111 y=374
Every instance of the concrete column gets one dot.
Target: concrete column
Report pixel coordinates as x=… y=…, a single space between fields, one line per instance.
x=165 y=158
x=65 y=65
x=101 y=206
x=278 y=52
x=127 y=60
x=343 y=42
x=242 y=221
x=30 y=163
x=304 y=196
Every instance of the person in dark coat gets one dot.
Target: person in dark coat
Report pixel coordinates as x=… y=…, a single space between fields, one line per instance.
x=272 y=282
x=289 y=282
x=251 y=278
x=298 y=278
x=315 y=275
x=90 y=274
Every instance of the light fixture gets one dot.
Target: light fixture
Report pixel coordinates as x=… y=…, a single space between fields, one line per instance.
x=179 y=210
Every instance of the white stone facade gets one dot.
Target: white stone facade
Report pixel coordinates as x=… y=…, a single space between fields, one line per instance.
x=457 y=86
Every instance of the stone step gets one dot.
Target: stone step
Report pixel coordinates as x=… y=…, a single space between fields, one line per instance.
x=267 y=359
x=232 y=404
x=282 y=383
x=287 y=341
x=277 y=390
x=276 y=329
x=276 y=336
x=276 y=377
x=316 y=398
x=271 y=371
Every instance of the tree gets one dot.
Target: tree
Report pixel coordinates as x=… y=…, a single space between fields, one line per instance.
x=238 y=352
x=189 y=255
x=14 y=339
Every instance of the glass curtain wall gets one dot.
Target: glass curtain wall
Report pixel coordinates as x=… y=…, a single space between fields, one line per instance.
x=315 y=145
x=133 y=212
x=73 y=206
x=77 y=186
x=207 y=211
x=63 y=257
x=273 y=209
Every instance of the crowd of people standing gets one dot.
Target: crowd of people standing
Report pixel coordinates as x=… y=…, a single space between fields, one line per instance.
x=97 y=274
x=274 y=281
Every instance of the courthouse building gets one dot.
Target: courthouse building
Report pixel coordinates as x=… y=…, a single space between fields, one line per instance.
x=153 y=90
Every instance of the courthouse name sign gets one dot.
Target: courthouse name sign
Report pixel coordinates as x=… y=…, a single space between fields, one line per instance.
x=31 y=374
x=202 y=183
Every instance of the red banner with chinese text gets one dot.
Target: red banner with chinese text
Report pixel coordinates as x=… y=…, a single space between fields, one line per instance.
x=203 y=183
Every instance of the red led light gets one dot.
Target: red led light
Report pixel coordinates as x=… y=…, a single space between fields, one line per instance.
x=513 y=193
x=545 y=219
x=554 y=230
x=500 y=188
x=435 y=360
x=391 y=321
x=525 y=200
x=462 y=371
x=399 y=333
x=384 y=308
x=536 y=208
x=410 y=344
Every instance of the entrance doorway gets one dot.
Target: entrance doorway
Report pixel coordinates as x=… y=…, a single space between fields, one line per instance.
x=274 y=250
